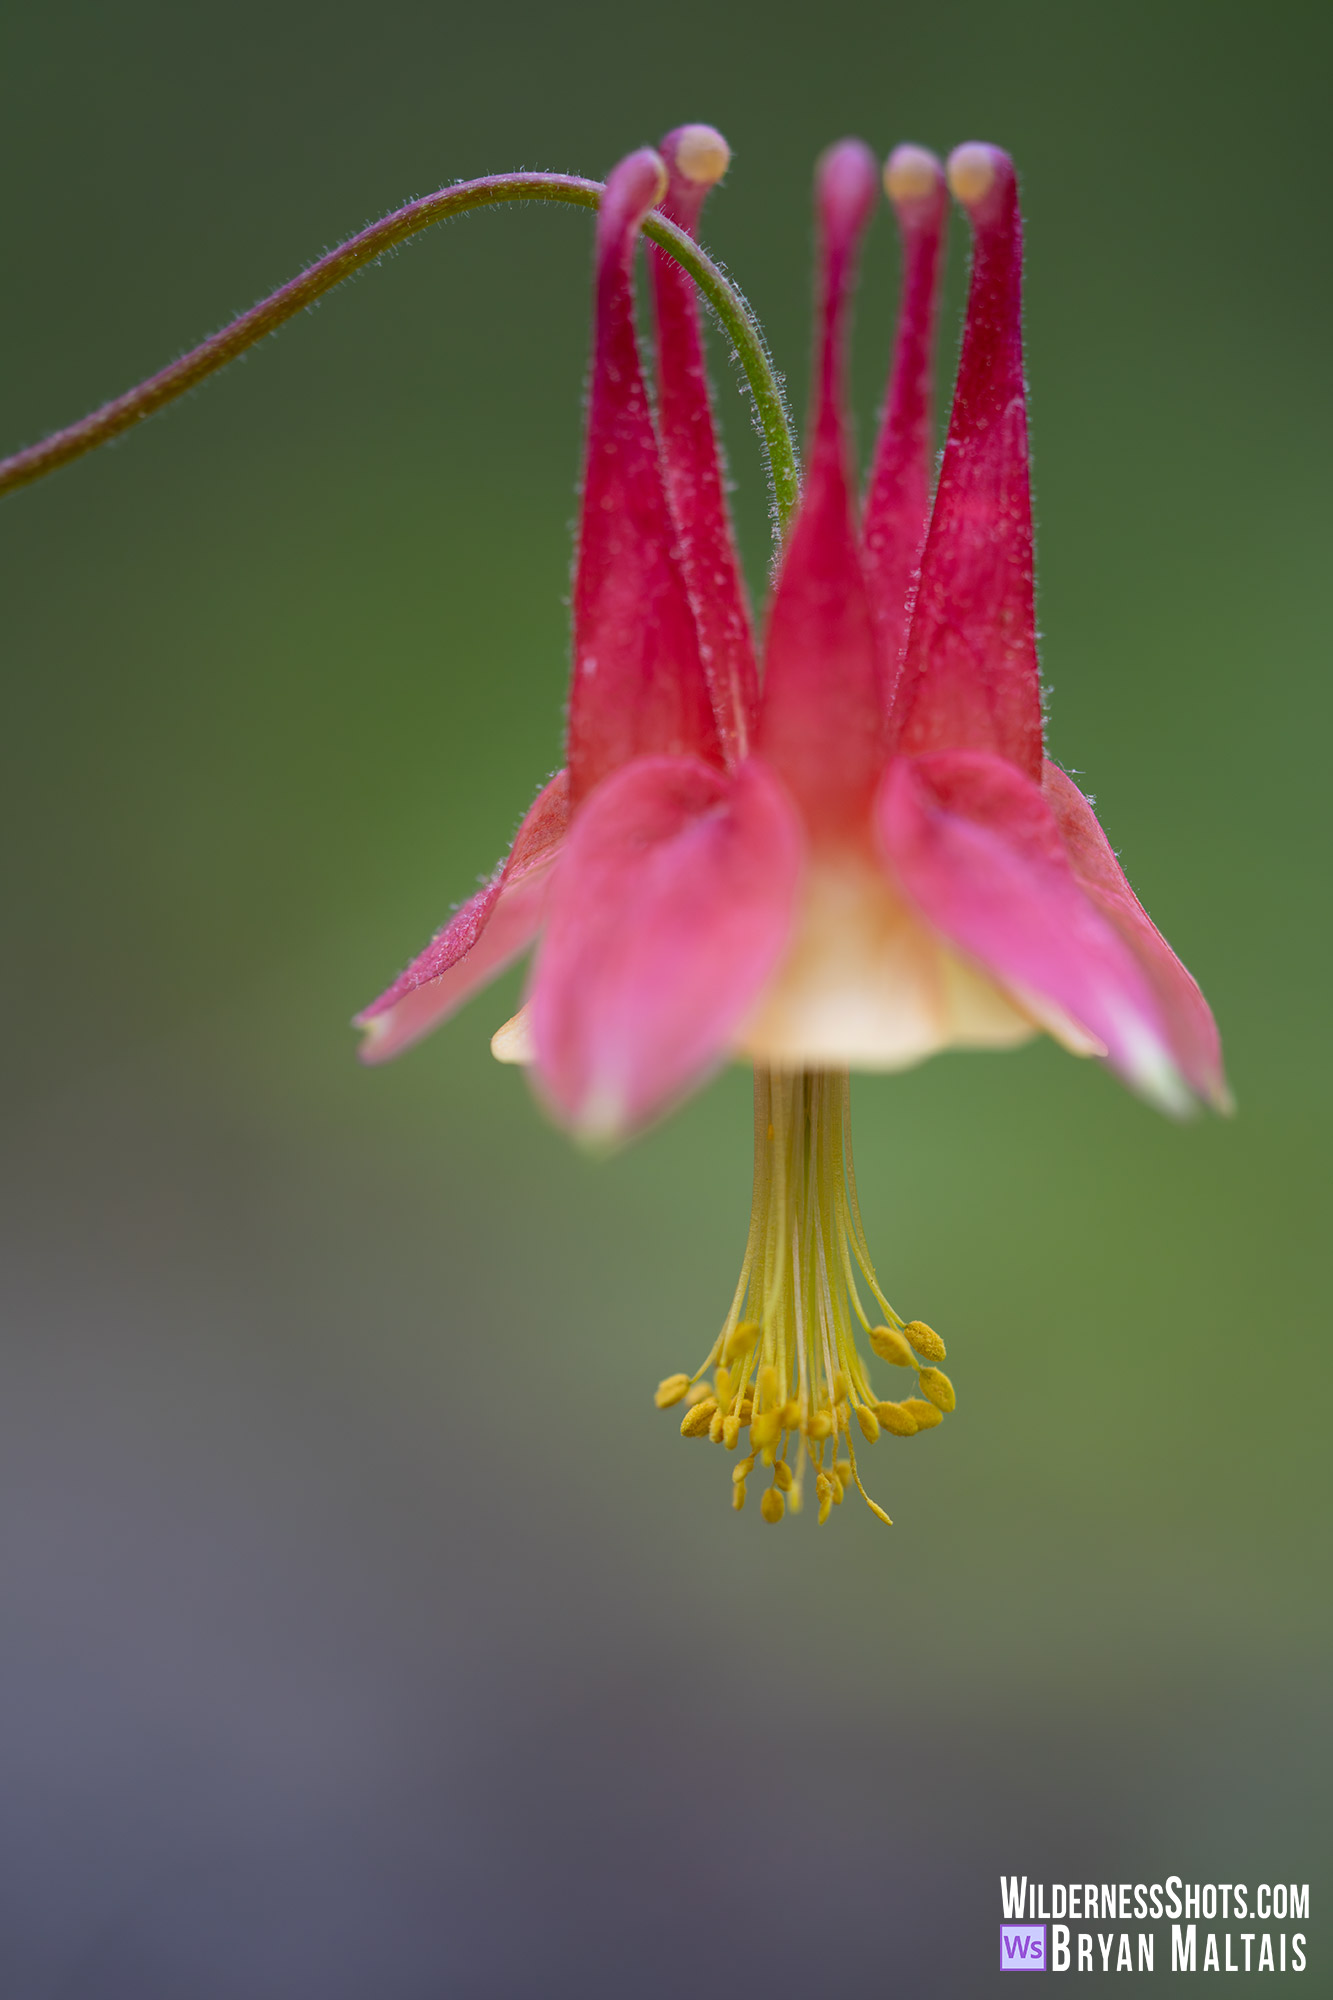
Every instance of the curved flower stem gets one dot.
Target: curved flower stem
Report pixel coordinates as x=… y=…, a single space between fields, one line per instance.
x=738 y=322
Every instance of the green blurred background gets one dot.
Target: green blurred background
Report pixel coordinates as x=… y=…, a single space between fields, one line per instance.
x=366 y=1630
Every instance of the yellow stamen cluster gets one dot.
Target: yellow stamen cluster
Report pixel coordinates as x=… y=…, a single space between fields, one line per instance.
x=786 y=1366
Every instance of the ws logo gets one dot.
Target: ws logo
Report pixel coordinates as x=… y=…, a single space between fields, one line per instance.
x=1022 y=1947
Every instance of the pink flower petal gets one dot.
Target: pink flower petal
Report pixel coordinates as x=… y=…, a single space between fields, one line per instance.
x=638 y=684
x=897 y=509
x=975 y=845
x=823 y=705
x=970 y=678
x=696 y=156
x=671 y=909
x=479 y=940
x=1189 y=1020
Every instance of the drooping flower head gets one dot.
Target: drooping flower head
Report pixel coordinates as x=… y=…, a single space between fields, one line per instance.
x=849 y=855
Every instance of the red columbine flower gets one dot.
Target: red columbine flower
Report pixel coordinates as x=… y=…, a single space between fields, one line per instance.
x=855 y=860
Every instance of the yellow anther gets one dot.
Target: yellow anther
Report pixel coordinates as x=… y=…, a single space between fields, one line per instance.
x=765 y=1427
x=792 y=1372
x=925 y=1340
x=670 y=1390
x=971 y=173
x=702 y=154
x=910 y=174
x=938 y=1387
x=695 y=1422
x=740 y=1340
x=927 y=1416
x=890 y=1345
x=738 y=1495
x=877 y=1510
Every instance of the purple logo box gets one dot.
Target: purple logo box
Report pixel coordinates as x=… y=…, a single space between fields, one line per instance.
x=1022 y=1947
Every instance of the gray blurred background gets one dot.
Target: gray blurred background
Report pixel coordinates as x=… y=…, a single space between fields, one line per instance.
x=366 y=1632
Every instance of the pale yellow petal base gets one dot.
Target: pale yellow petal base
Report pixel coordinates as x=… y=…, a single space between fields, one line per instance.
x=512 y=1040
x=866 y=984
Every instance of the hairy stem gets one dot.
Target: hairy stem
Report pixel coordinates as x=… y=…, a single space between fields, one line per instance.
x=735 y=316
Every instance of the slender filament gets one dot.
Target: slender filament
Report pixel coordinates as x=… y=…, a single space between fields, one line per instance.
x=789 y=1361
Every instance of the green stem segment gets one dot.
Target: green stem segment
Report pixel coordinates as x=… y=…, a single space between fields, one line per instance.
x=737 y=320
